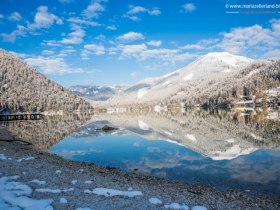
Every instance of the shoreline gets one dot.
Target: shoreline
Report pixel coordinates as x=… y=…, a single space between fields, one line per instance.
x=76 y=182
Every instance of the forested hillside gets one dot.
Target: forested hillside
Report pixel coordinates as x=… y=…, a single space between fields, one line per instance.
x=252 y=82
x=24 y=89
x=213 y=80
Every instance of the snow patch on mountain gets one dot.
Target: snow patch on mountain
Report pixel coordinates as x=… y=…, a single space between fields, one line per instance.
x=225 y=57
x=171 y=74
x=253 y=72
x=142 y=92
x=188 y=77
x=166 y=83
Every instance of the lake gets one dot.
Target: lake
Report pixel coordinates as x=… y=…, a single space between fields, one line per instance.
x=222 y=149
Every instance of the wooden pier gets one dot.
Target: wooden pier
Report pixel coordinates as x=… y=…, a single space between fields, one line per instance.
x=20 y=116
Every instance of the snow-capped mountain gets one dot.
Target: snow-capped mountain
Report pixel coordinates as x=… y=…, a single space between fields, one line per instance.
x=210 y=67
x=97 y=93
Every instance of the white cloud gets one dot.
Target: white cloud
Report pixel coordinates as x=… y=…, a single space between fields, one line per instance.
x=51 y=43
x=275 y=25
x=133 y=50
x=1 y=16
x=254 y=39
x=141 y=52
x=101 y=38
x=189 y=7
x=20 y=31
x=203 y=45
x=52 y=65
x=133 y=18
x=76 y=20
x=66 y=51
x=193 y=47
x=44 y=19
x=131 y=36
x=161 y=53
x=111 y=27
x=93 y=10
x=47 y=52
x=94 y=49
x=154 y=43
x=135 y=10
x=154 y=12
x=19 y=55
x=15 y=16
x=138 y=9
x=75 y=37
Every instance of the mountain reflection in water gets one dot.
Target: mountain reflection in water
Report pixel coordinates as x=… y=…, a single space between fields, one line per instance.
x=224 y=149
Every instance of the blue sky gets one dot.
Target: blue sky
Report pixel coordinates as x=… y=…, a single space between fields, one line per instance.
x=108 y=42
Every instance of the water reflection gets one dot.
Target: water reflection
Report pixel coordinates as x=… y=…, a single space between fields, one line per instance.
x=222 y=149
x=220 y=135
x=46 y=132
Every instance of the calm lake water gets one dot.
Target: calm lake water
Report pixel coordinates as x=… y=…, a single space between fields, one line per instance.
x=222 y=149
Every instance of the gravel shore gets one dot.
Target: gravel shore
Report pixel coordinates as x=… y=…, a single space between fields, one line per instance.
x=73 y=185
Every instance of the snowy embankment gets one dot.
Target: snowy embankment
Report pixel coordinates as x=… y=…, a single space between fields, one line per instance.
x=15 y=195
x=18 y=195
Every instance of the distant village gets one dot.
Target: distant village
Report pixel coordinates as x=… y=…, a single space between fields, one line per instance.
x=272 y=99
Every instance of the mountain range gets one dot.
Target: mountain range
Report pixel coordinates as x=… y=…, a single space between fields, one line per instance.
x=212 y=65
x=213 y=79
x=217 y=77
x=97 y=93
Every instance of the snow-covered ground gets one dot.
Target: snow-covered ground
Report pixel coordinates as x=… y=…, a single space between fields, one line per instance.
x=113 y=192
x=15 y=195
